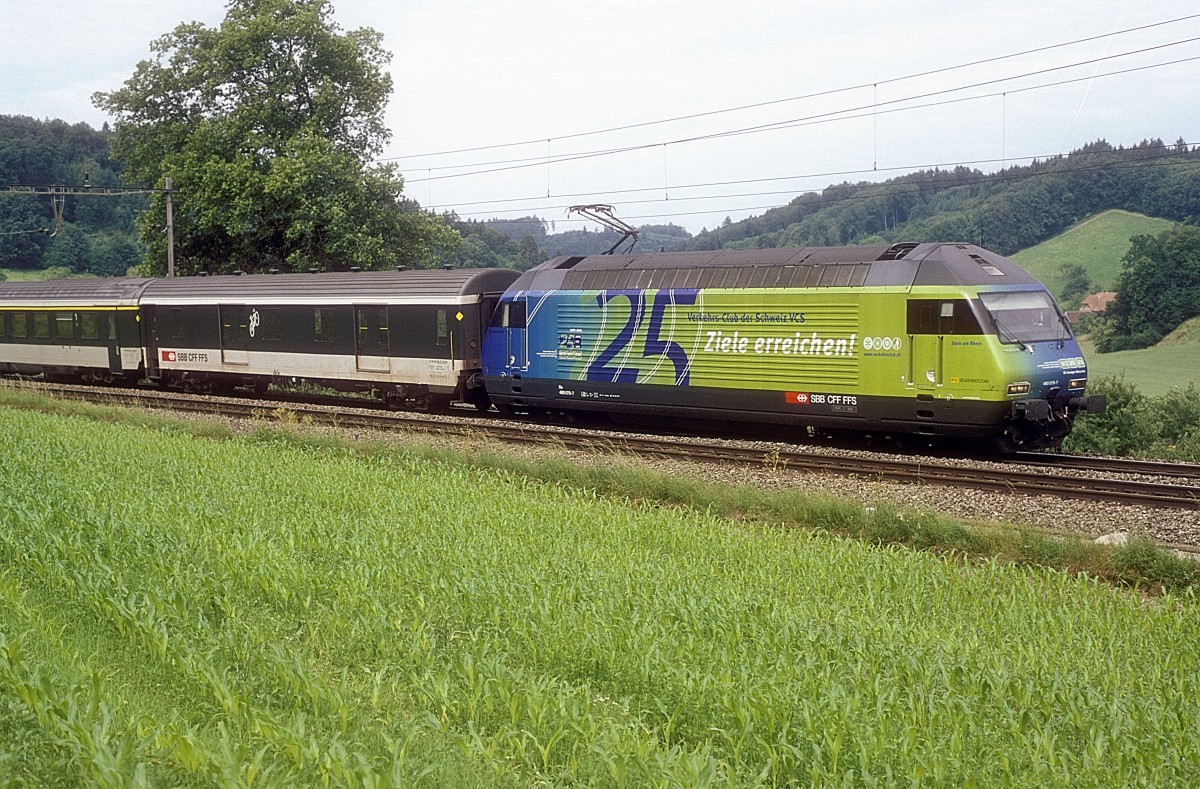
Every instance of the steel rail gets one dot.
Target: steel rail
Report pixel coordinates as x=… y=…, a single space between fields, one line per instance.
x=1155 y=468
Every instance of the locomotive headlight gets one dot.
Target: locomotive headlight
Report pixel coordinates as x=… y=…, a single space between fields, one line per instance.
x=1019 y=388
x=1077 y=383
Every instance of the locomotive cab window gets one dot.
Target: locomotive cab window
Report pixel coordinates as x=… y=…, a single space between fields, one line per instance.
x=942 y=316
x=509 y=315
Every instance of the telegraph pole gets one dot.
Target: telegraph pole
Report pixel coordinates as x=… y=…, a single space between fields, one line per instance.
x=170 y=230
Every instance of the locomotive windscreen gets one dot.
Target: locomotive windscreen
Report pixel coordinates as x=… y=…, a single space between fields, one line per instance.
x=1025 y=316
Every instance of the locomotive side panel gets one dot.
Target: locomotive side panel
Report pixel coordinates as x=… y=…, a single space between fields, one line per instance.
x=833 y=357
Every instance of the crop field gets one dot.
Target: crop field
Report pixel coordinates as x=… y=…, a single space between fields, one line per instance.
x=181 y=611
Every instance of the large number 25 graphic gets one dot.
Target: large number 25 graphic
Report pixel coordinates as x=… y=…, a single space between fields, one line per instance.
x=600 y=369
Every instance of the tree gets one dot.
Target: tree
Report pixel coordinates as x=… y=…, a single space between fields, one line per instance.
x=69 y=249
x=1159 y=288
x=530 y=255
x=1076 y=284
x=267 y=126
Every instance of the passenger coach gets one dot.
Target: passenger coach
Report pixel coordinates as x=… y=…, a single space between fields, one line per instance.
x=412 y=336
x=72 y=329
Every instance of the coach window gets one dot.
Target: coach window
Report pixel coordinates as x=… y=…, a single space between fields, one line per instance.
x=443 y=329
x=234 y=325
x=89 y=326
x=64 y=325
x=272 y=323
x=176 y=322
x=373 y=318
x=2 y=319
x=20 y=325
x=41 y=325
x=323 y=325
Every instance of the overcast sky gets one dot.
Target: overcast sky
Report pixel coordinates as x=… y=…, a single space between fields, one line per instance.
x=555 y=74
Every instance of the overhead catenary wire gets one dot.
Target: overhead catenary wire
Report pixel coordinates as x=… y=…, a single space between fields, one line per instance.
x=818 y=94
x=862 y=191
x=830 y=116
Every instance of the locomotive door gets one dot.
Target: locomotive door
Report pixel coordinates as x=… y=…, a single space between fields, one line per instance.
x=926 y=361
x=371 y=348
x=518 y=340
x=929 y=320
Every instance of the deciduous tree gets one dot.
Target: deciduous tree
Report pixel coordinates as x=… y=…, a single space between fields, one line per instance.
x=267 y=126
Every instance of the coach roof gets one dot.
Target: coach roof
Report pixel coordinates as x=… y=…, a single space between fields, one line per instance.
x=74 y=293
x=426 y=286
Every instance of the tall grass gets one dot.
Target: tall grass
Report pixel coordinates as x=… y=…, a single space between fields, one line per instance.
x=182 y=612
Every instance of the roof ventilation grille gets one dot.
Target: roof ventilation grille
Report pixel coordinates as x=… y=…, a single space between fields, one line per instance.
x=988 y=267
x=897 y=251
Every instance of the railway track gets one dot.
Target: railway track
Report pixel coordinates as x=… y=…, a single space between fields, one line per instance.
x=1155 y=468
x=1173 y=485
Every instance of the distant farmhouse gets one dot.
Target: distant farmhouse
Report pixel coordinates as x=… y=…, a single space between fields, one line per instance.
x=1094 y=304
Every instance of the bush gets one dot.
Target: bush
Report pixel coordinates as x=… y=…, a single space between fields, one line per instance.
x=1176 y=412
x=1166 y=426
x=1126 y=427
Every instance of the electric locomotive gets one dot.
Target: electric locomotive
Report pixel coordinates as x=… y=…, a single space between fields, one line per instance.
x=925 y=339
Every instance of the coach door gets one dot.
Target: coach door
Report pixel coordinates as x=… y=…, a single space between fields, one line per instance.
x=371 y=350
x=235 y=333
x=92 y=327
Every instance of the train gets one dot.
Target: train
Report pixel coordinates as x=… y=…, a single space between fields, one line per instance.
x=934 y=340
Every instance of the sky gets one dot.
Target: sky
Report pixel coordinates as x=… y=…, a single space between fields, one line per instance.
x=714 y=110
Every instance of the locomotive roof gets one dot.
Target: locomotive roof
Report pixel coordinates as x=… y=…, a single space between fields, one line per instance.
x=83 y=292
x=902 y=265
x=436 y=286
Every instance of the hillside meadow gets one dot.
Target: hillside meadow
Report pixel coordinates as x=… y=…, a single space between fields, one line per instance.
x=277 y=611
x=1097 y=243
x=1172 y=364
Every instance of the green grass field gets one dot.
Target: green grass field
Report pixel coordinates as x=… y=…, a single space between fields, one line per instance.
x=1173 y=363
x=178 y=611
x=1097 y=243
